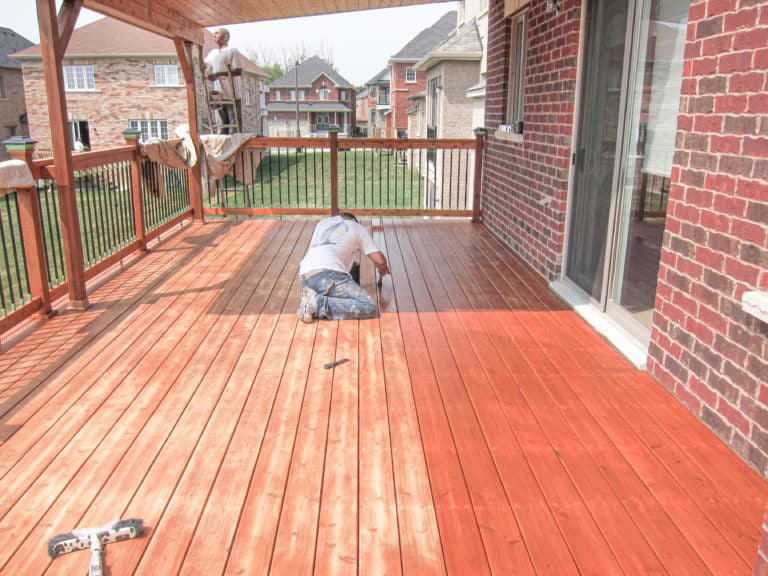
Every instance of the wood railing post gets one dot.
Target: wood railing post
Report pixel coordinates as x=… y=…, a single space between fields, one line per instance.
x=480 y=134
x=31 y=226
x=333 y=132
x=131 y=136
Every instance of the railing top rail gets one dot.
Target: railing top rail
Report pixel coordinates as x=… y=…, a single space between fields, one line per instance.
x=46 y=167
x=387 y=143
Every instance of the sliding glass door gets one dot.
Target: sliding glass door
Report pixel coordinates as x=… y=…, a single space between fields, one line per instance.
x=630 y=93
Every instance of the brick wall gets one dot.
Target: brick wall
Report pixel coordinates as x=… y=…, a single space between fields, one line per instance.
x=125 y=92
x=11 y=108
x=399 y=92
x=520 y=176
x=704 y=348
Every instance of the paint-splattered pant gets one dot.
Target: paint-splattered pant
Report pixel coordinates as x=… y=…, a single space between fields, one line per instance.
x=339 y=297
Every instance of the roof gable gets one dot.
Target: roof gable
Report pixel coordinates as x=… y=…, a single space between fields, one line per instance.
x=110 y=37
x=428 y=38
x=308 y=72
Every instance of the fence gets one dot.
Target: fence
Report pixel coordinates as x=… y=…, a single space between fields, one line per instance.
x=371 y=176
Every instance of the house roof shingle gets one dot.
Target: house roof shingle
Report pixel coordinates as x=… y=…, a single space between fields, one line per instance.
x=427 y=39
x=464 y=44
x=380 y=78
x=11 y=42
x=308 y=72
x=110 y=37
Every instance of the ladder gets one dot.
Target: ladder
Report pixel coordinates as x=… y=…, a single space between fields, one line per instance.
x=215 y=101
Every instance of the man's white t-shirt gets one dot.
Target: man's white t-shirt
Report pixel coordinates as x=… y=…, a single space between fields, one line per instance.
x=218 y=60
x=335 y=245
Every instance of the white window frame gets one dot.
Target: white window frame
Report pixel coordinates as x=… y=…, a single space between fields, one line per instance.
x=79 y=79
x=167 y=75
x=513 y=116
x=3 y=95
x=151 y=128
x=342 y=95
x=410 y=71
x=324 y=94
x=276 y=95
x=247 y=96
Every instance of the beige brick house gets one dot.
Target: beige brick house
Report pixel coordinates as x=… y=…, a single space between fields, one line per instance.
x=118 y=76
x=13 y=118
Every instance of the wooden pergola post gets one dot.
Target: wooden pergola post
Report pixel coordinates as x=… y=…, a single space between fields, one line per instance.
x=132 y=136
x=31 y=227
x=55 y=32
x=184 y=49
x=480 y=134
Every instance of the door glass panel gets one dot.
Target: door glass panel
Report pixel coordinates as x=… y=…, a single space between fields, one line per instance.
x=653 y=101
x=599 y=118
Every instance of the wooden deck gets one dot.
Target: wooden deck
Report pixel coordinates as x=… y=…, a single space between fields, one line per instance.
x=478 y=427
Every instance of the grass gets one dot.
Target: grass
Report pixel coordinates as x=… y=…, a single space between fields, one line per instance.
x=292 y=179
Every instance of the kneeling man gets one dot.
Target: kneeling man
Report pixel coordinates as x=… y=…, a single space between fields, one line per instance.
x=327 y=288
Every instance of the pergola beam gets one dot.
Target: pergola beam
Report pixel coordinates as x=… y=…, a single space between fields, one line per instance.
x=150 y=15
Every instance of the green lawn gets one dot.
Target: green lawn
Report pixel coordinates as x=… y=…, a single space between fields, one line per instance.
x=367 y=179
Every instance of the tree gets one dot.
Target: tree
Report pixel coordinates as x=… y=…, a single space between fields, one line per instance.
x=277 y=60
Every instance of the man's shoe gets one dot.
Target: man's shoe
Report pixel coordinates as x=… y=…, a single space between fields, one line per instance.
x=307 y=305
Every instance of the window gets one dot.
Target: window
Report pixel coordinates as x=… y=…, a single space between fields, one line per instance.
x=79 y=78
x=276 y=95
x=2 y=87
x=293 y=95
x=342 y=94
x=247 y=97
x=324 y=93
x=151 y=128
x=372 y=91
x=166 y=75
x=410 y=75
x=516 y=94
x=434 y=88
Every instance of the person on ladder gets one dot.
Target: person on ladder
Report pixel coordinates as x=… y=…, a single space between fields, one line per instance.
x=224 y=69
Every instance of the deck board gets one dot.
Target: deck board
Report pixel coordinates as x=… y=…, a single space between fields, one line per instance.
x=479 y=425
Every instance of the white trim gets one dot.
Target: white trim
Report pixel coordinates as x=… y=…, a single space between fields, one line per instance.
x=634 y=350
x=755 y=303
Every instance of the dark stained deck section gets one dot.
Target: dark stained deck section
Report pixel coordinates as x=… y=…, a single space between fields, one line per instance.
x=479 y=427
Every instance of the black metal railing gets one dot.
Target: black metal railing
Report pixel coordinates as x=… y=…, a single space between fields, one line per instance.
x=14 y=283
x=165 y=192
x=105 y=209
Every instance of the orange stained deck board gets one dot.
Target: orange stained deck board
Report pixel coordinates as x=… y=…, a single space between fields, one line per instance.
x=479 y=425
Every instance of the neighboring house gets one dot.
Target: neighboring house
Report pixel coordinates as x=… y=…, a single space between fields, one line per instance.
x=444 y=110
x=118 y=76
x=309 y=99
x=379 y=105
x=361 y=111
x=13 y=115
x=629 y=165
x=391 y=88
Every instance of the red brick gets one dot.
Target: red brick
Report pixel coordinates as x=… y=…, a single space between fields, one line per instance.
x=756 y=147
x=731 y=104
x=742 y=272
x=708 y=123
x=751 y=39
x=736 y=62
x=757 y=104
x=747 y=82
x=733 y=416
x=740 y=20
x=720 y=182
x=729 y=205
x=750 y=232
x=710 y=259
x=702 y=391
x=724 y=144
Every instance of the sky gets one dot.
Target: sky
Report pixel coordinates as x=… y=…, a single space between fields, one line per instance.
x=359 y=43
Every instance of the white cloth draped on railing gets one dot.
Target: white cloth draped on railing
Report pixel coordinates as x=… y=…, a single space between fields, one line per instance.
x=15 y=174
x=220 y=151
